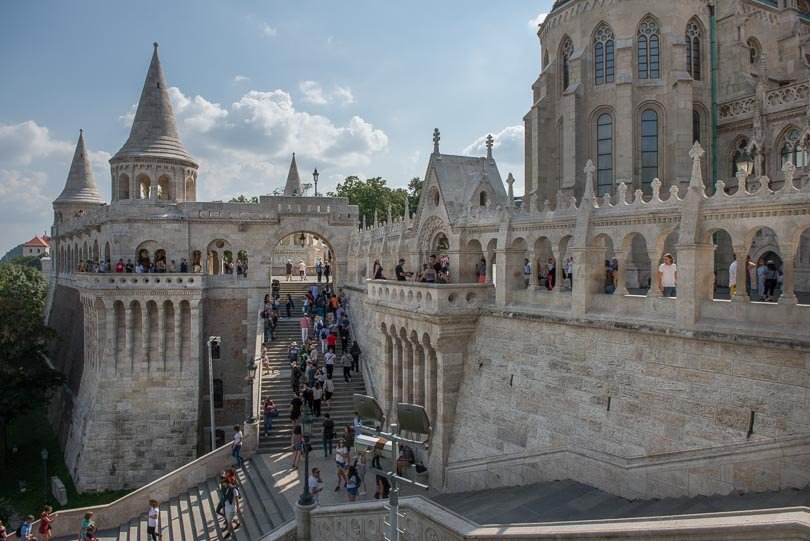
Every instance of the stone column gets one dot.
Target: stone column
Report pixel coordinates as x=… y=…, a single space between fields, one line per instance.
x=621 y=279
x=559 y=281
x=588 y=271
x=788 y=295
x=396 y=391
x=303 y=525
x=490 y=269
x=129 y=355
x=178 y=329
x=694 y=281
x=407 y=371
x=655 y=262
x=742 y=294
x=450 y=354
x=419 y=380
x=624 y=119
x=160 y=352
x=533 y=281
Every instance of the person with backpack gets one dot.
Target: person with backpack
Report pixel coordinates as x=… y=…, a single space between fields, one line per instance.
x=319 y=269
x=231 y=508
x=25 y=529
x=346 y=364
x=323 y=334
x=355 y=352
x=224 y=481
x=270 y=411
x=88 y=527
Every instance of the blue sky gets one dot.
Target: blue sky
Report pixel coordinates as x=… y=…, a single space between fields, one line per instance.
x=351 y=87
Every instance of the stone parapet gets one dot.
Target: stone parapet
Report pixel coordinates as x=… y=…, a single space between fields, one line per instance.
x=434 y=299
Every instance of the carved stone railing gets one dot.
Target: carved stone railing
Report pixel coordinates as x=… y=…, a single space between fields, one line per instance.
x=117 y=280
x=424 y=298
x=786 y=97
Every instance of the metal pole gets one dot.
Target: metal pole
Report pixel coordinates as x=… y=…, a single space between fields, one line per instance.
x=393 y=496
x=715 y=112
x=45 y=467
x=211 y=397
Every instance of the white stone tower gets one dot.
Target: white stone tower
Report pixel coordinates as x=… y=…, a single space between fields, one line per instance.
x=153 y=164
x=80 y=193
x=293 y=186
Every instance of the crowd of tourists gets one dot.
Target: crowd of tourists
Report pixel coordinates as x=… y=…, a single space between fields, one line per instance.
x=146 y=265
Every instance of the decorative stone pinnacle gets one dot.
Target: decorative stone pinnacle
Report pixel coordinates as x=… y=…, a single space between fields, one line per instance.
x=489 y=146
x=590 y=169
x=742 y=177
x=436 y=138
x=788 y=170
x=696 y=152
x=155 y=44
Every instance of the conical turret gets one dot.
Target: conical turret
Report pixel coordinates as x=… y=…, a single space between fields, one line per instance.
x=293 y=186
x=80 y=187
x=154 y=131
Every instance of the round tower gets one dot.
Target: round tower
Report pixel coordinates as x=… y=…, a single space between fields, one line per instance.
x=153 y=165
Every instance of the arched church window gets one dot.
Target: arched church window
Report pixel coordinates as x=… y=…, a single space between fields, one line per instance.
x=693 y=37
x=648 y=42
x=649 y=148
x=695 y=126
x=754 y=50
x=603 y=55
x=604 y=154
x=566 y=51
x=482 y=199
x=793 y=150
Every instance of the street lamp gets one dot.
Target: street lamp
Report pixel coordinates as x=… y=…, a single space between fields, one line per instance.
x=251 y=369
x=44 y=456
x=302 y=240
x=745 y=163
x=306 y=428
x=315 y=178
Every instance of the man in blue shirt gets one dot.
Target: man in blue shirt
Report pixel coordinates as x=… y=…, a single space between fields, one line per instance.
x=25 y=529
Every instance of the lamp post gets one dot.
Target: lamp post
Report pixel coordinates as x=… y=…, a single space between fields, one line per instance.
x=315 y=178
x=302 y=240
x=251 y=368
x=306 y=428
x=44 y=455
x=745 y=163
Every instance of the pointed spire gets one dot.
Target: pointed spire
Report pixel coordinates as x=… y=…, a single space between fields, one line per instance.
x=436 y=138
x=510 y=180
x=154 y=131
x=81 y=184
x=293 y=186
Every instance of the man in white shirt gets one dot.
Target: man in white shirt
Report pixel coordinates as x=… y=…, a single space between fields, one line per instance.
x=315 y=485
x=236 y=446
x=668 y=276
x=231 y=508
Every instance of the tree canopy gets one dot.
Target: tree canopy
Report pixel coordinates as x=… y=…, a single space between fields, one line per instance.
x=242 y=198
x=25 y=378
x=373 y=195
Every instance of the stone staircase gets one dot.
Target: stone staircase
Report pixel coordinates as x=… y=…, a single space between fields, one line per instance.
x=276 y=384
x=191 y=515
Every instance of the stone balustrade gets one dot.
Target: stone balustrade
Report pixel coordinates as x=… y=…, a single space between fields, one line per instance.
x=427 y=298
x=118 y=280
x=779 y=99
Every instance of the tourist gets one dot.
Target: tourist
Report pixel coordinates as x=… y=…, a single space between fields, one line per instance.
x=224 y=480
x=772 y=275
x=119 y=267
x=288 y=270
x=732 y=277
x=668 y=276
x=236 y=446
x=357 y=423
x=3 y=532
x=361 y=471
x=348 y=435
x=401 y=273
x=405 y=460
x=328 y=391
x=341 y=462
x=45 y=519
x=88 y=526
x=527 y=272
x=295 y=377
x=183 y=265
x=306 y=394
x=355 y=352
x=760 y=271
x=383 y=488
x=295 y=407
x=289 y=305
x=327 y=434
x=139 y=268
x=304 y=323
x=569 y=271
x=343 y=330
x=270 y=411
x=378 y=270
x=231 y=509
x=302 y=270
x=317 y=396
x=129 y=267
x=323 y=335
x=315 y=485
x=297 y=446
x=327 y=270
x=481 y=271
x=352 y=483
x=329 y=361
x=611 y=275
x=346 y=364
x=550 y=275
x=428 y=274
x=319 y=269
x=153 y=520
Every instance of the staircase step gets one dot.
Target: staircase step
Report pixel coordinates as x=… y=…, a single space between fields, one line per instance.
x=284 y=511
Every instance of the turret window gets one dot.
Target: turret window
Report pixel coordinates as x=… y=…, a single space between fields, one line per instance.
x=603 y=54
x=648 y=50
x=566 y=51
x=693 y=37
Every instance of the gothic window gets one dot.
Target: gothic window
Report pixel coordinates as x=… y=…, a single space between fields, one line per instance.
x=482 y=199
x=695 y=127
x=753 y=50
x=567 y=50
x=649 y=148
x=648 y=50
x=693 y=37
x=603 y=55
x=218 y=393
x=793 y=150
x=604 y=154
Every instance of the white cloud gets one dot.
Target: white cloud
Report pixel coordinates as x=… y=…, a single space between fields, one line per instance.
x=240 y=79
x=196 y=114
x=507 y=149
x=535 y=22
x=314 y=93
x=20 y=144
x=269 y=30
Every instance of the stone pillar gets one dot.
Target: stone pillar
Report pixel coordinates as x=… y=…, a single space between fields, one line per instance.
x=407 y=371
x=655 y=262
x=396 y=391
x=624 y=119
x=431 y=376
x=490 y=267
x=451 y=351
x=589 y=266
x=178 y=329
x=621 y=279
x=129 y=356
x=159 y=352
x=534 y=283
x=559 y=271
x=303 y=524
x=788 y=295
x=742 y=294
x=419 y=380
x=694 y=281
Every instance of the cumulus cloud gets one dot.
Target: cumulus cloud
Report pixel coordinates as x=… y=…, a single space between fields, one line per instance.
x=22 y=143
x=314 y=93
x=196 y=113
x=240 y=79
x=535 y=22
x=269 y=31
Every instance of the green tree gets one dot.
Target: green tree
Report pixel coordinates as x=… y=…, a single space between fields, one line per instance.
x=372 y=195
x=32 y=261
x=414 y=191
x=25 y=378
x=243 y=199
